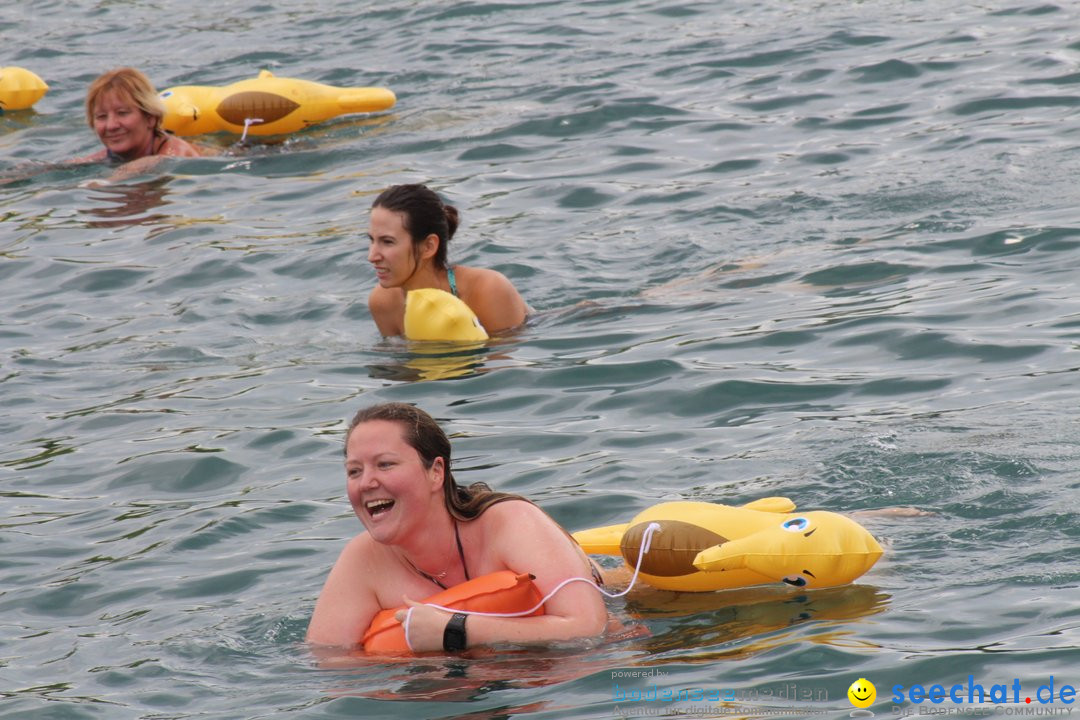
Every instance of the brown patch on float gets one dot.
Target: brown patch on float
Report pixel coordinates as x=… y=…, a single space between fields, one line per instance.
x=672 y=550
x=268 y=107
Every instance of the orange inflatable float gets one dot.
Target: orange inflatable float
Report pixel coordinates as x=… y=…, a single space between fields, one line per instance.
x=499 y=592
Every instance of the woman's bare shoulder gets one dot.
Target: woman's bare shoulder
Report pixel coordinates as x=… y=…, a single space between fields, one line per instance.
x=387 y=307
x=493 y=298
x=515 y=517
x=178 y=147
x=386 y=298
x=483 y=279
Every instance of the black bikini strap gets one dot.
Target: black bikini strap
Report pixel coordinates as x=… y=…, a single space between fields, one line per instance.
x=460 y=551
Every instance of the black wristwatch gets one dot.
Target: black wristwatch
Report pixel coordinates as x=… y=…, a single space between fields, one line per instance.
x=453 y=636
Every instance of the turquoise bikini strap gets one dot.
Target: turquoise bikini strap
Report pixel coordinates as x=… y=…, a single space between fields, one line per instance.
x=453 y=282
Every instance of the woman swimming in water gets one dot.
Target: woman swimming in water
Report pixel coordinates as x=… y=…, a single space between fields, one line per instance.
x=425 y=532
x=409 y=231
x=125 y=111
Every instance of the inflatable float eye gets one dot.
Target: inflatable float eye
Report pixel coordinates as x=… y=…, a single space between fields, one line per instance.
x=165 y=94
x=796 y=581
x=796 y=524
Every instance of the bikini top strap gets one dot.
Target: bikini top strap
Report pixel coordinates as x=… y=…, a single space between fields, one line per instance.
x=453 y=290
x=461 y=551
x=159 y=133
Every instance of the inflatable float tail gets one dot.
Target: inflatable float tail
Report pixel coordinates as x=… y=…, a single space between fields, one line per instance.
x=603 y=540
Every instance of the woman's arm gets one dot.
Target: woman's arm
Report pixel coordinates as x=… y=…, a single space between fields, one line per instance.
x=347 y=602
x=98 y=156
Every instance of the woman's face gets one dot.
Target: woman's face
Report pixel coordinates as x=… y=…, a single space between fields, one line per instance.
x=122 y=126
x=390 y=489
x=391 y=249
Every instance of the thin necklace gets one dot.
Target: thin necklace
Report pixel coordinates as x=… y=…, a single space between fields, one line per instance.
x=437 y=578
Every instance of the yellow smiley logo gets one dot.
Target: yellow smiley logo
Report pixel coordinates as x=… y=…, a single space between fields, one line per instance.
x=862 y=693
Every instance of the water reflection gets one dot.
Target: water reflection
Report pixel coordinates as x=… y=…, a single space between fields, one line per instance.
x=129 y=203
x=411 y=361
x=681 y=628
x=741 y=623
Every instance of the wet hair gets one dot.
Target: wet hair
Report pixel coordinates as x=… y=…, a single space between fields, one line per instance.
x=133 y=86
x=424 y=214
x=424 y=435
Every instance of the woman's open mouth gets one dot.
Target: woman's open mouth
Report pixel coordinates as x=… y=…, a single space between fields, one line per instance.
x=378 y=507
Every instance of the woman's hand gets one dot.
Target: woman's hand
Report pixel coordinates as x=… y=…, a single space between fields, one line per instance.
x=424 y=626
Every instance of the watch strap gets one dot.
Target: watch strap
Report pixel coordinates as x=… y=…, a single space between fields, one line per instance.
x=453 y=638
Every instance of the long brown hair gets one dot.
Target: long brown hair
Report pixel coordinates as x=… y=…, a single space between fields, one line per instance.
x=424 y=435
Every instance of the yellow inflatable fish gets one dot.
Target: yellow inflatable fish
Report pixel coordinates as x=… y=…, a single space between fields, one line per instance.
x=433 y=314
x=266 y=105
x=702 y=547
x=20 y=88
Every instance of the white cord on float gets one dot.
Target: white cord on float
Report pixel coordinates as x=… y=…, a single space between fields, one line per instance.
x=248 y=122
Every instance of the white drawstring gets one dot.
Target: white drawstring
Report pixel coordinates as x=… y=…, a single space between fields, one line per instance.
x=248 y=122
x=408 y=617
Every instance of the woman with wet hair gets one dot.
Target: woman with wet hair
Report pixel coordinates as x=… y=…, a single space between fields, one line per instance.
x=425 y=533
x=125 y=111
x=410 y=228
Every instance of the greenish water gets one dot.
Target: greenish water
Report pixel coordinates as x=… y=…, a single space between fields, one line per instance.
x=821 y=250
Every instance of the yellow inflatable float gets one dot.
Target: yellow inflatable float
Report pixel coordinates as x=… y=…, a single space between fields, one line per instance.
x=20 y=88
x=265 y=105
x=433 y=314
x=701 y=547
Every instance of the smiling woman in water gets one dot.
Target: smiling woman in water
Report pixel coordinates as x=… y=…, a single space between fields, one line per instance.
x=425 y=532
x=125 y=111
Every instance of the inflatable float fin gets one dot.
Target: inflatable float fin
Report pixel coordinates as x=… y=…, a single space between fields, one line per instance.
x=602 y=540
x=771 y=504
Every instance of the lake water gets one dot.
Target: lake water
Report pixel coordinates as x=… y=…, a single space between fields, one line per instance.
x=822 y=250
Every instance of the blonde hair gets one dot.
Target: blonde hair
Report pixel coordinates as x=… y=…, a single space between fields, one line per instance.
x=130 y=84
